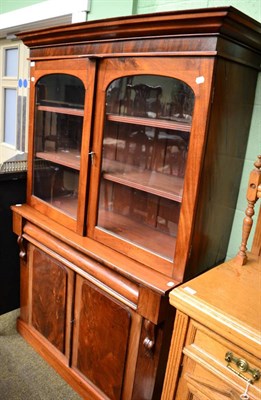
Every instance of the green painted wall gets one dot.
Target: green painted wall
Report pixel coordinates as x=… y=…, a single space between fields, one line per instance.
x=6 y=6
x=253 y=149
x=111 y=8
x=250 y=7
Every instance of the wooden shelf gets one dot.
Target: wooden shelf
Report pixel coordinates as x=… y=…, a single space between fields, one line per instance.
x=153 y=122
x=140 y=234
x=70 y=159
x=163 y=185
x=61 y=110
x=66 y=204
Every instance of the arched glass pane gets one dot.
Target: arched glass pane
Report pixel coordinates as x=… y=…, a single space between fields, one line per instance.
x=58 y=133
x=151 y=96
x=145 y=144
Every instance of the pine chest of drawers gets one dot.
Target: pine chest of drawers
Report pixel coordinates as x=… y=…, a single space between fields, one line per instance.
x=215 y=350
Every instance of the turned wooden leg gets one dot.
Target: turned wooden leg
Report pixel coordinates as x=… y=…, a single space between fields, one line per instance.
x=253 y=193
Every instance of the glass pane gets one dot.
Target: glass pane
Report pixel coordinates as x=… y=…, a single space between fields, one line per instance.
x=151 y=97
x=145 y=143
x=11 y=62
x=10 y=106
x=58 y=135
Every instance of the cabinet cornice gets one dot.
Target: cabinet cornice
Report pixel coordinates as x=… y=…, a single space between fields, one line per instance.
x=220 y=21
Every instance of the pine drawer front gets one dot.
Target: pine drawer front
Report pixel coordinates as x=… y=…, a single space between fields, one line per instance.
x=207 y=373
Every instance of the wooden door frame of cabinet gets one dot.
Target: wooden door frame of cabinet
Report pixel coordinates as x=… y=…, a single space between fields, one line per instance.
x=83 y=69
x=109 y=70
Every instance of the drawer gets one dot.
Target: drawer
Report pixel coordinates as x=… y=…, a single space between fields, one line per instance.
x=198 y=383
x=207 y=374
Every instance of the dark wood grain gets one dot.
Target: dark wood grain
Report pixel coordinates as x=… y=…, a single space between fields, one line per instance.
x=102 y=342
x=49 y=284
x=211 y=20
x=223 y=163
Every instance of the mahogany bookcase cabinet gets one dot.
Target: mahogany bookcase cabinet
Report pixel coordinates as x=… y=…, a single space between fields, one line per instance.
x=137 y=136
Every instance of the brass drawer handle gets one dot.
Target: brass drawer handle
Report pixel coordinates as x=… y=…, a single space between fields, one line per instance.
x=243 y=366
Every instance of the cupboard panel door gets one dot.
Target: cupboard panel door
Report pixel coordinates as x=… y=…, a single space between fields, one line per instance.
x=50 y=300
x=100 y=342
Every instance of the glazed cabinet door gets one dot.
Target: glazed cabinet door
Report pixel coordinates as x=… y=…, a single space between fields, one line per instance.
x=61 y=107
x=50 y=292
x=148 y=143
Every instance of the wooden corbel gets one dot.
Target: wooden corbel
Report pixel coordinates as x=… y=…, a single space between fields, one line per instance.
x=149 y=341
x=22 y=247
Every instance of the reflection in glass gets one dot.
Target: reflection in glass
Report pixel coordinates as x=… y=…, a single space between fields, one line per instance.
x=58 y=134
x=145 y=143
x=151 y=97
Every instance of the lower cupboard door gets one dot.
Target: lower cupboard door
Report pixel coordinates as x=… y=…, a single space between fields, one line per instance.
x=51 y=294
x=100 y=338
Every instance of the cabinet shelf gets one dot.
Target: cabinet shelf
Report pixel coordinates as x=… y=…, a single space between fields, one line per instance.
x=70 y=159
x=61 y=110
x=159 y=184
x=153 y=122
x=67 y=204
x=133 y=231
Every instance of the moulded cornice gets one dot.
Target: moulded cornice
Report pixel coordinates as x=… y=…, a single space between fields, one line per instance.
x=226 y=21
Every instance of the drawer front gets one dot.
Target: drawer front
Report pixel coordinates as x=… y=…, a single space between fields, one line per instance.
x=207 y=374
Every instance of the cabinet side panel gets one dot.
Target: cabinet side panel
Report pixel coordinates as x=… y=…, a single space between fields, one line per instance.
x=24 y=290
x=103 y=334
x=224 y=158
x=49 y=299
